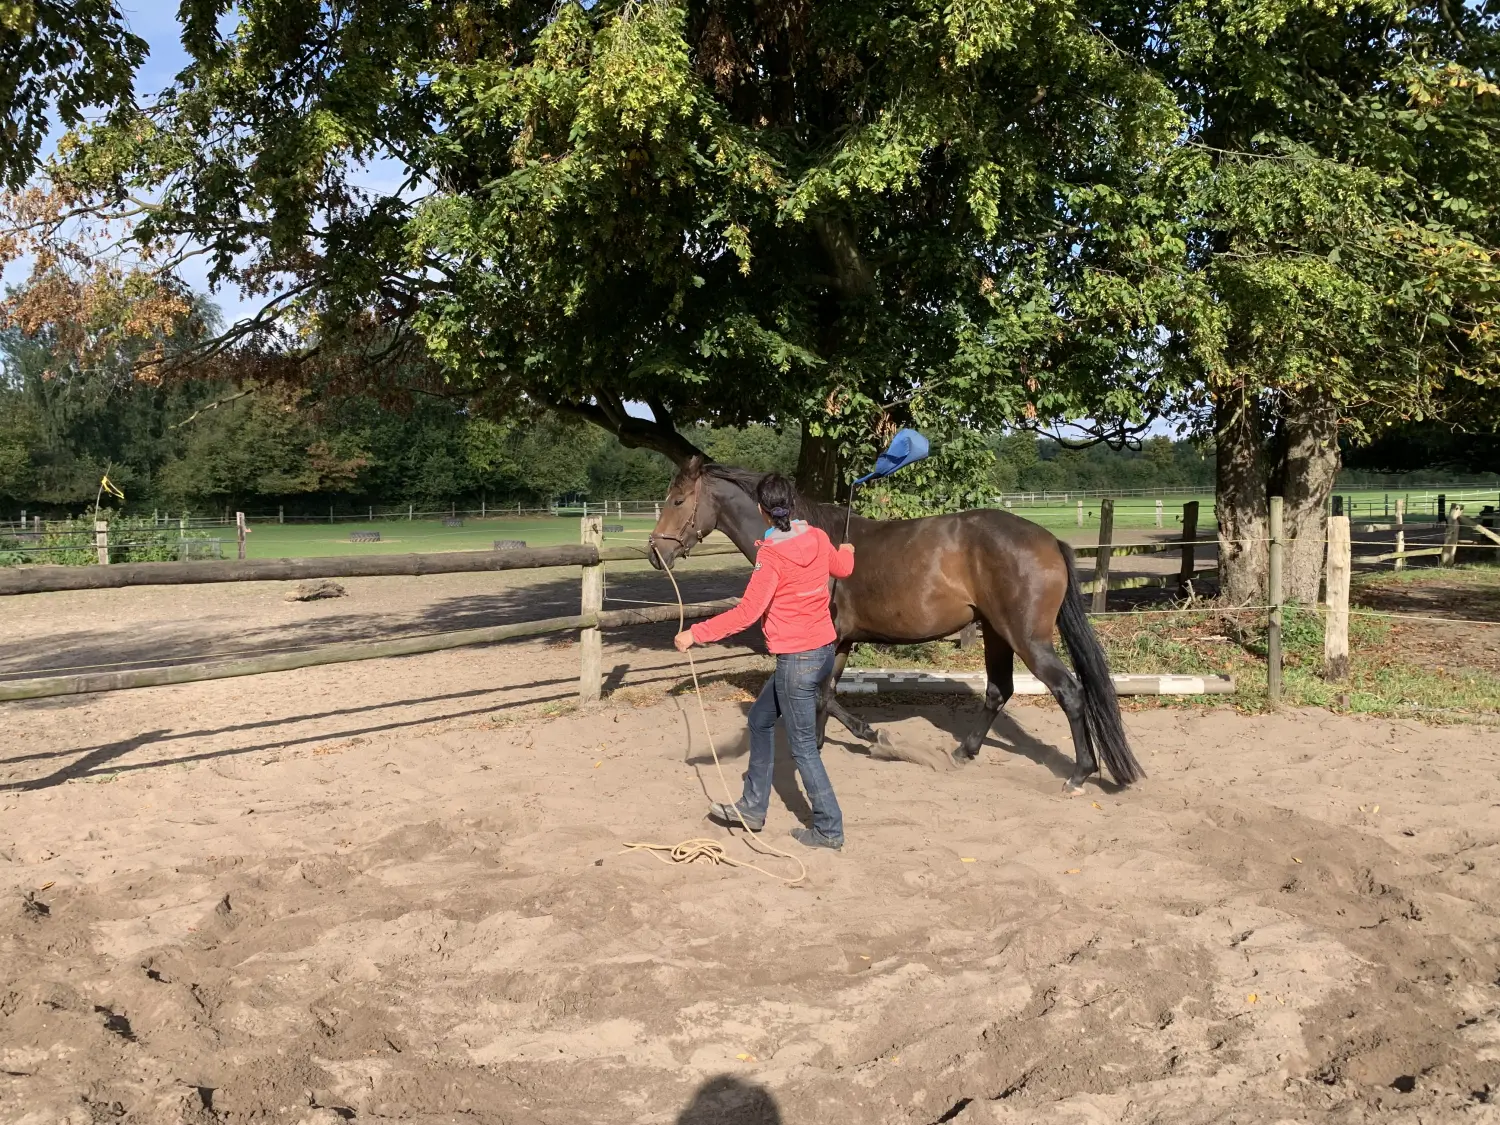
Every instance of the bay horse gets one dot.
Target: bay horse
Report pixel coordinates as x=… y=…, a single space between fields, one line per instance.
x=924 y=579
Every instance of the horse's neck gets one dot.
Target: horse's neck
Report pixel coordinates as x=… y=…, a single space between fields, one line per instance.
x=738 y=517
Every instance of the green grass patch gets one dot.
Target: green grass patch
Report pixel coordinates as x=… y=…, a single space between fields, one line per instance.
x=71 y=543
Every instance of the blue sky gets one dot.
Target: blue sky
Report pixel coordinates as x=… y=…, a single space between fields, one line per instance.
x=157 y=24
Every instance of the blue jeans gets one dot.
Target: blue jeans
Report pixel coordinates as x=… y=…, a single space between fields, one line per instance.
x=792 y=696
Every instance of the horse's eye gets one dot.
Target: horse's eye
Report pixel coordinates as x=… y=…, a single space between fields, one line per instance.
x=678 y=502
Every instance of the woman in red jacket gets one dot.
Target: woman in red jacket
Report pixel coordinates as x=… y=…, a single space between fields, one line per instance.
x=788 y=594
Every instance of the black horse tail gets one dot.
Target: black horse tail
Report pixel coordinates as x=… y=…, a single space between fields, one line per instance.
x=1101 y=707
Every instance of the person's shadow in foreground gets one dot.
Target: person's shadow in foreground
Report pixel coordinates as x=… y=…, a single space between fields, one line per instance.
x=725 y=1100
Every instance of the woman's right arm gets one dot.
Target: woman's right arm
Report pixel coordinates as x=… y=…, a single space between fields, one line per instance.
x=752 y=607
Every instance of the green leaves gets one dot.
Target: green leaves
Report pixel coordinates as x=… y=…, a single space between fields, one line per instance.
x=843 y=216
x=58 y=55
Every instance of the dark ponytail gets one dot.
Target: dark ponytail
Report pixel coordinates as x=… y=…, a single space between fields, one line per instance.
x=776 y=497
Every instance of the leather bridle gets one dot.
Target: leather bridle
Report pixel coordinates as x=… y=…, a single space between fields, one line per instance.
x=689 y=527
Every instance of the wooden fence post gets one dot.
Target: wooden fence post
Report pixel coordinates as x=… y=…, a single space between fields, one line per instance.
x=1080 y=513
x=101 y=541
x=1273 y=626
x=1336 y=621
x=1189 y=534
x=1400 y=533
x=281 y=513
x=182 y=541
x=1158 y=513
x=1101 y=564
x=1442 y=507
x=969 y=637
x=1450 y=537
x=591 y=641
x=239 y=531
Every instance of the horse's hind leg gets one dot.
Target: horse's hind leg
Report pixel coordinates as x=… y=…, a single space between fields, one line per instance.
x=999 y=667
x=1041 y=657
x=830 y=707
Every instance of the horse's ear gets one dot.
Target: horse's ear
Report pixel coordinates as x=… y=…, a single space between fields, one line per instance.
x=694 y=466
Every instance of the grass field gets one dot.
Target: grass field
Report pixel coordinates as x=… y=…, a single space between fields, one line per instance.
x=305 y=540
x=1134 y=512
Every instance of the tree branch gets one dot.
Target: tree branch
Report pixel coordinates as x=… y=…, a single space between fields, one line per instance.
x=1116 y=435
x=853 y=276
x=193 y=417
x=634 y=433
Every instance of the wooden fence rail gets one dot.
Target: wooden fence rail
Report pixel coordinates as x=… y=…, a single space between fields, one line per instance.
x=44 y=687
x=42 y=579
x=589 y=555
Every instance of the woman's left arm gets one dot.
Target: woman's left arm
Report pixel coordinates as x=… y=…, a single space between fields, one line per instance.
x=841 y=560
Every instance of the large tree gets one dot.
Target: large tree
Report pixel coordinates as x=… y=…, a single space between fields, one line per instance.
x=1340 y=195
x=1279 y=216
x=844 y=216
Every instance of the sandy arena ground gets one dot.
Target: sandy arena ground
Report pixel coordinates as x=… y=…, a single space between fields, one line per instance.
x=396 y=890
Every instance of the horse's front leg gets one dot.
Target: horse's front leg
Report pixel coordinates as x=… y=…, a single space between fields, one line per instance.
x=830 y=707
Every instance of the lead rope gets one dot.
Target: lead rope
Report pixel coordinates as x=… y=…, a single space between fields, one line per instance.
x=691 y=851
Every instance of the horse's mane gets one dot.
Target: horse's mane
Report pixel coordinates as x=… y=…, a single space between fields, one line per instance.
x=747 y=480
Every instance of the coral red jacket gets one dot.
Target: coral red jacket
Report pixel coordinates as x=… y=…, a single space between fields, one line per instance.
x=788 y=592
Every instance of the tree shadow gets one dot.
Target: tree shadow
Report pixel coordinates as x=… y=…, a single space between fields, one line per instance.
x=727 y=1100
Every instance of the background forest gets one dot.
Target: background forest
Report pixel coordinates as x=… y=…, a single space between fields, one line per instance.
x=195 y=446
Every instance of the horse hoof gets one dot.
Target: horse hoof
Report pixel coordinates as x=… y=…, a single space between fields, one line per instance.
x=961 y=757
x=1073 y=786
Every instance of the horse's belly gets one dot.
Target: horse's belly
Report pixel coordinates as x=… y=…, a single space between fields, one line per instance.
x=919 y=612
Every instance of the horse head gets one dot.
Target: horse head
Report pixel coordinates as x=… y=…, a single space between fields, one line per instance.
x=687 y=515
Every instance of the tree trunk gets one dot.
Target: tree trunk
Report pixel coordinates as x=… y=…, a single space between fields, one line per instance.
x=818 y=476
x=1240 y=498
x=1311 y=466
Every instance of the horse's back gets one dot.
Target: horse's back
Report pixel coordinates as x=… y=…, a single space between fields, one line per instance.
x=923 y=578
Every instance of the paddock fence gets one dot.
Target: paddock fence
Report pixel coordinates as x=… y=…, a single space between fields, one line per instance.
x=591 y=555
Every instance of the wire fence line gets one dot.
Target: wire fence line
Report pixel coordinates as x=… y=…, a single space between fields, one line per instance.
x=1418 y=502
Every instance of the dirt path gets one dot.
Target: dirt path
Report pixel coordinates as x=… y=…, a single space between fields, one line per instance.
x=396 y=889
x=405 y=904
